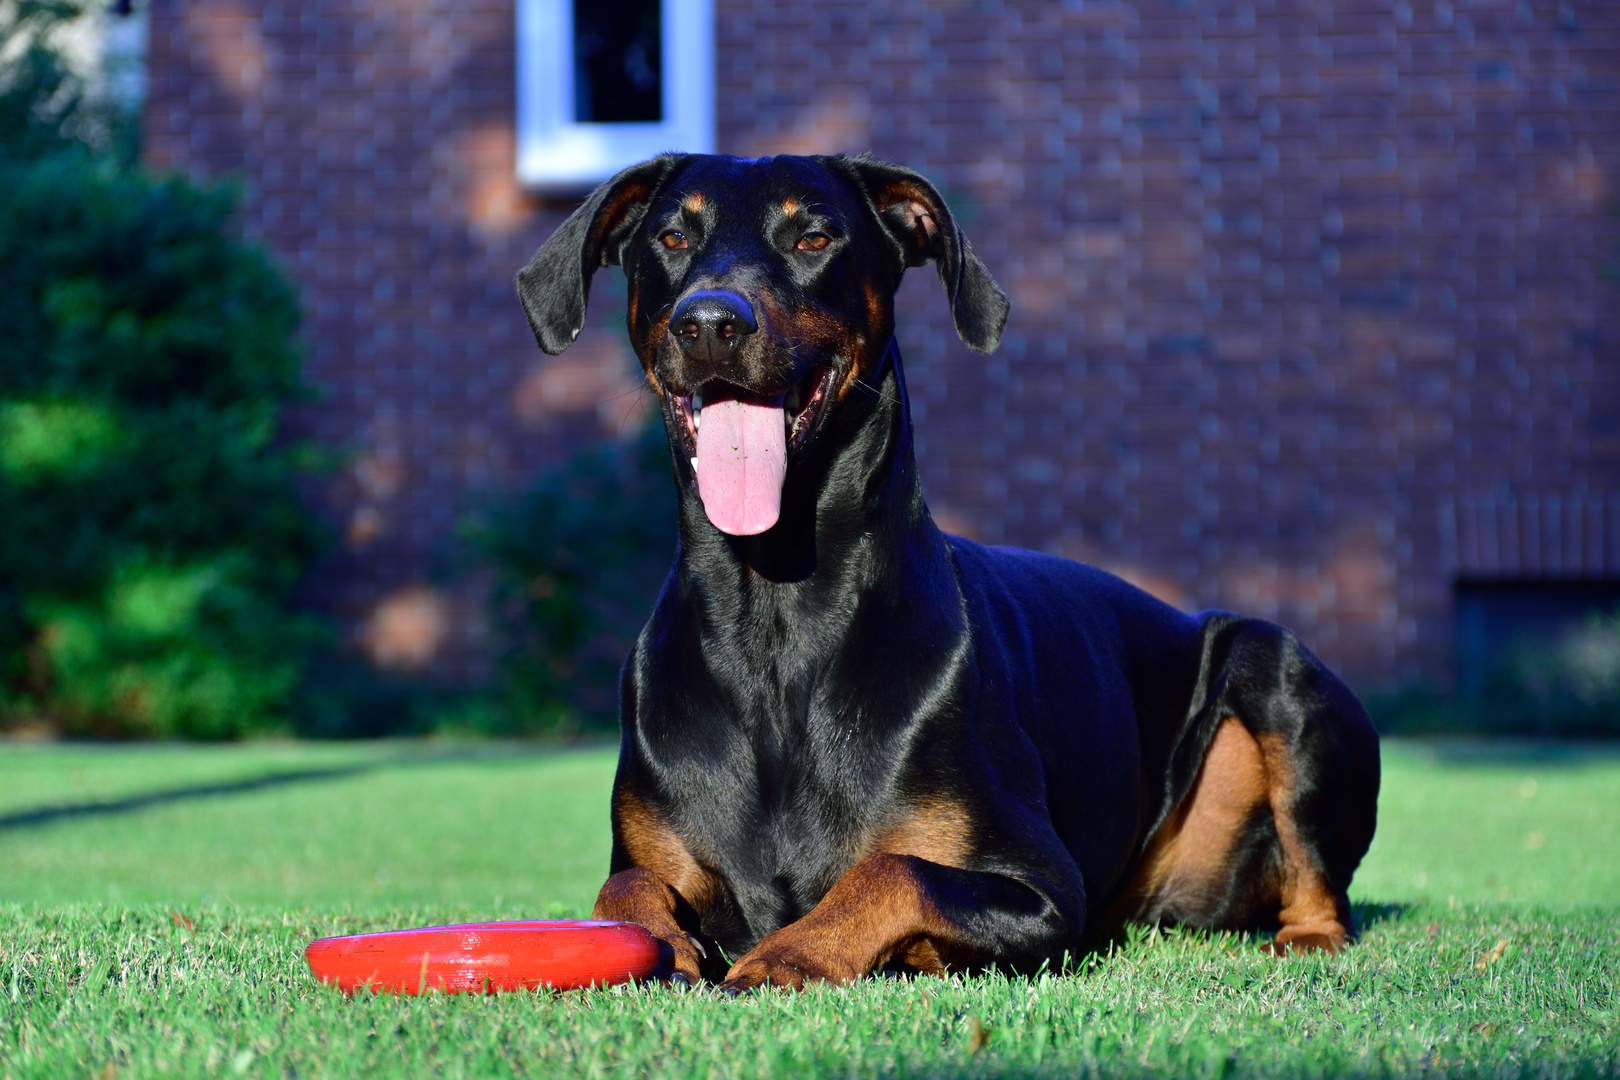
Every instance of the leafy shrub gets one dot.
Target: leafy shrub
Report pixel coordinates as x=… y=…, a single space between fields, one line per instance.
x=579 y=558
x=150 y=528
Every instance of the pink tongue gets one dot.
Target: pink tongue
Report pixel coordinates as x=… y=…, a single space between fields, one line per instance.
x=741 y=460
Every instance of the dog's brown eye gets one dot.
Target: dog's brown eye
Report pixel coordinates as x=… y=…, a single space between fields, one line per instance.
x=673 y=240
x=814 y=241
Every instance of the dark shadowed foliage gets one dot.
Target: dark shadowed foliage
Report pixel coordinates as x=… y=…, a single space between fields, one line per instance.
x=151 y=530
x=1566 y=685
x=579 y=558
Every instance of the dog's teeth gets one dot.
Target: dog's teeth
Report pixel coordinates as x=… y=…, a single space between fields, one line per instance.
x=697 y=402
x=694 y=464
x=697 y=418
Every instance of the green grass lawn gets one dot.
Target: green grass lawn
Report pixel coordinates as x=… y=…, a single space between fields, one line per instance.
x=154 y=903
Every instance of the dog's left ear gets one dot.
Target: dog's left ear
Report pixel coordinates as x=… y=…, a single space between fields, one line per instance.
x=915 y=216
x=556 y=284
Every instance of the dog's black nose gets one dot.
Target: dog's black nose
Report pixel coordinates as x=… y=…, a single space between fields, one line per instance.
x=709 y=324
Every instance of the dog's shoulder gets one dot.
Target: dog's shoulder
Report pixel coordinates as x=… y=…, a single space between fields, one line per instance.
x=1050 y=579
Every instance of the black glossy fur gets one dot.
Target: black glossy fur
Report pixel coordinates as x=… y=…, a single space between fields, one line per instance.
x=800 y=695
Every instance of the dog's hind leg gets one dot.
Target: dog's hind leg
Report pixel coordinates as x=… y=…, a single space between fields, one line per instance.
x=1281 y=804
x=1313 y=910
x=1319 y=754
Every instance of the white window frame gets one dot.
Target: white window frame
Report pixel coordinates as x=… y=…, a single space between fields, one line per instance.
x=555 y=151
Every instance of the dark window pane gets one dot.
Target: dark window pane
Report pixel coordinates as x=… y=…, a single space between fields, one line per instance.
x=617 y=61
x=1497 y=619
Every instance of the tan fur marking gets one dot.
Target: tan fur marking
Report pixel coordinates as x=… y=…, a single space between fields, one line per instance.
x=654 y=845
x=665 y=882
x=811 y=331
x=851 y=377
x=640 y=896
x=694 y=202
x=938 y=830
x=1310 y=914
x=791 y=206
x=901 y=192
x=919 y=206
x=773 y=314
x=877 y=307
x=1189 y=852
x=1231 y=784
x=1194 y=842
x=867 y=348
x=864 y=348
x=647 y=351
x=882 y=908
x=609 y=216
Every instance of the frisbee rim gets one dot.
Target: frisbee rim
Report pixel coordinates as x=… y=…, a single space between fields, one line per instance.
x=460 y=957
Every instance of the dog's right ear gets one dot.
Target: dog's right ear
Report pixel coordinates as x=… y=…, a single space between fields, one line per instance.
x=556 y=284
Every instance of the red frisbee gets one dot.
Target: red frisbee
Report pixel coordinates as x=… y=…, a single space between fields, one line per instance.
x=486 y=957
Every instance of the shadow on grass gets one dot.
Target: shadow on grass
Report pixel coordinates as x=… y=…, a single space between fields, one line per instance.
x=50 y=815
x=1364 y=915
x=1367 y=916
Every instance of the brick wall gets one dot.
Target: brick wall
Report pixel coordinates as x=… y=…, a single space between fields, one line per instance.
x=1297 y=287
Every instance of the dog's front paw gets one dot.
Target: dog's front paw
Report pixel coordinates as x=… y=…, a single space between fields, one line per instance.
x=778 y=965
x=680 y=959
x=753 y=972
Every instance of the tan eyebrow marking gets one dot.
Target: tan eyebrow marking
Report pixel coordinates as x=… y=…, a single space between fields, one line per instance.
x=791 y=206
x=694 y=202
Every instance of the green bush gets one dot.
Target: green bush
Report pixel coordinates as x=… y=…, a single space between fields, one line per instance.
x=578 y=558
x=150 y=530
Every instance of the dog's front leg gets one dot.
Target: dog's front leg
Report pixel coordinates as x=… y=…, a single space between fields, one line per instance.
x=641 y=896
x=930 y=917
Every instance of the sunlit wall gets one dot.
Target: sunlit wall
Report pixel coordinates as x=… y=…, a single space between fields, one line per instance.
x=1314 y=303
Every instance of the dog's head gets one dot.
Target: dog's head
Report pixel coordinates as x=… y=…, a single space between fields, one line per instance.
x=761 y=292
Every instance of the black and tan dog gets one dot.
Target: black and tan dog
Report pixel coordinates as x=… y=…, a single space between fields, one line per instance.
x=851 y=742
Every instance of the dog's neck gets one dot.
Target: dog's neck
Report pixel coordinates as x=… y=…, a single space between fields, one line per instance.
x=852 y=507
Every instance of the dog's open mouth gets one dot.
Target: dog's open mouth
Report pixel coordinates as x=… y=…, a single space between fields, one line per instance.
x=801 y=406
x=739 y=443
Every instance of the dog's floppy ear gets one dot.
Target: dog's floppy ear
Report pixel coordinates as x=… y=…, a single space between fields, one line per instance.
x=917 y=219
x=555 y=285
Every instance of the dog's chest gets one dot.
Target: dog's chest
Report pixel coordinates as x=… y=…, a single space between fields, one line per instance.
x=783 y=814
